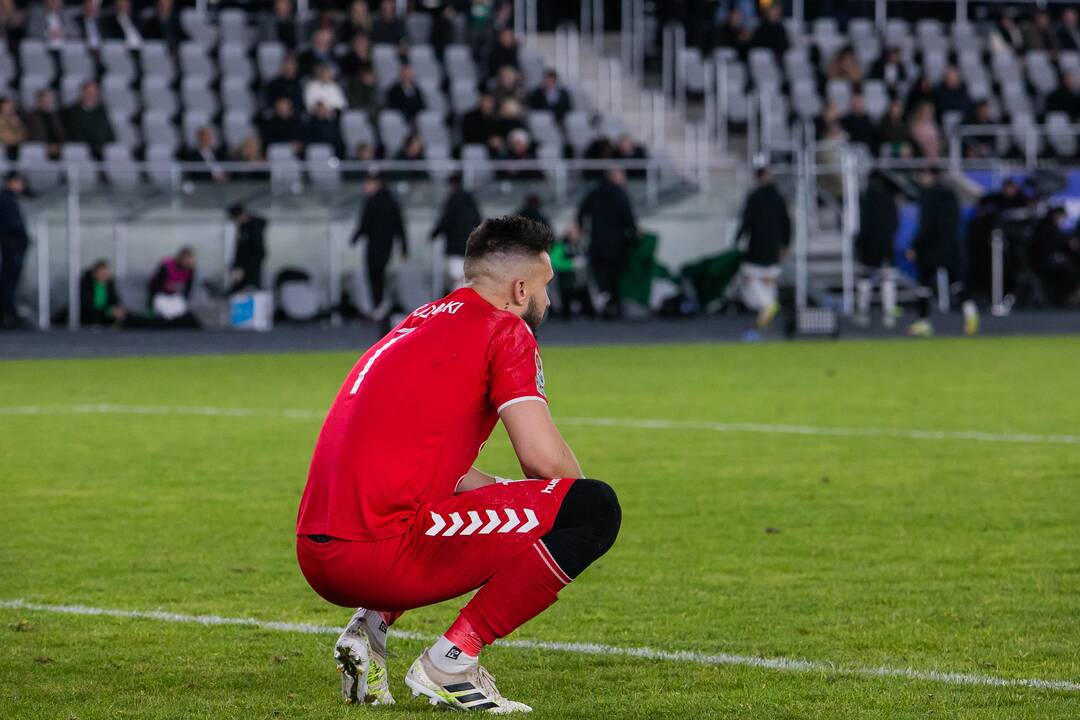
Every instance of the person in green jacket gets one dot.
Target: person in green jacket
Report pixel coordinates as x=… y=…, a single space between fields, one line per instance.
x=568 y=262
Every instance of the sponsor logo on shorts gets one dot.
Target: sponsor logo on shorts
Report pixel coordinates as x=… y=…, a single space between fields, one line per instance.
x=550 y=487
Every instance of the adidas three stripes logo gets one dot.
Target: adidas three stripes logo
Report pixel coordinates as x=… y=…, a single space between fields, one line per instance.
x=493 y=522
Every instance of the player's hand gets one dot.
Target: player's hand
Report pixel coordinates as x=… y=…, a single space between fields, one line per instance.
x=910 y=254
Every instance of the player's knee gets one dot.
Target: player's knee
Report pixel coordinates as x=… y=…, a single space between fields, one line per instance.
x=602 y=509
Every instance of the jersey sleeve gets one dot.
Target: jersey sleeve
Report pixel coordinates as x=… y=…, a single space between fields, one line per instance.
x=515 y=371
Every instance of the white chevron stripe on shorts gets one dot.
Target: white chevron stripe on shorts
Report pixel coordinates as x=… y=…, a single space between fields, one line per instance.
x=440 y=527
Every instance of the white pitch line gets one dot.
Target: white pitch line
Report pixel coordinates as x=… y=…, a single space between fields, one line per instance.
x=631 y=423
x=765 y=663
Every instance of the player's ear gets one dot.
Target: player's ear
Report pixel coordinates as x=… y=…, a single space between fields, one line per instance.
x=521 y=293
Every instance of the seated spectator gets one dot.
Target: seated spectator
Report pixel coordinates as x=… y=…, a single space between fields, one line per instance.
x=412 y=150
x=1056 y=259
x=121 y=26
x=365 y=152
x=163 y=23
x=321 y=51
x=925 y=133
x=893 y=134
x=506 y=84
x=45 y=124
x=950 y=95
x=771 y=33
x=444 y=29
x=12 y=23
x=980 y=145
x=519 y=147
x=600 y=148
x=323 y=88
x=362 y=91
x=626 y=149
x=511 y=117
x=551 y=96
x=206 y=155
x=99 y=303
x=90 y=25
x=858 y=125
x=281 y=125
x=286 y=84
x=88 y=122
x=12 y=129
x=921 y=92
x=845 y=66
x=1068 y=33
x=890 y=69
x=47 y=21
x=733 y=33
x=1066 y=97
x=504 y=53
x=359 y=56
x=404 y=95
x=480 y=126
x=357 y=23
x=250 y=150
x=281 y=25
x=170 y=289
x=1007 y=36
x=1039 y=34
x=322 y=127
x=388 y=27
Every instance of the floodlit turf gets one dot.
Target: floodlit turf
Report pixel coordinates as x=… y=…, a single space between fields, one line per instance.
x=948 y=554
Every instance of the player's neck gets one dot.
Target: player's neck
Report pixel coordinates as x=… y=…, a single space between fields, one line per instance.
x=495 y=298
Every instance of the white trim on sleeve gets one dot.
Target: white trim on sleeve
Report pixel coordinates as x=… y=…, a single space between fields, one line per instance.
x=515 y=401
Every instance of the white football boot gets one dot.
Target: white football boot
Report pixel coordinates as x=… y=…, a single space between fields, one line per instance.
x=362 y=667
x=473 y=689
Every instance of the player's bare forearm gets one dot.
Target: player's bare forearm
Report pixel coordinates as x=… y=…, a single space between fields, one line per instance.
x=563 y=465
x=472 y=480
x=538 y=444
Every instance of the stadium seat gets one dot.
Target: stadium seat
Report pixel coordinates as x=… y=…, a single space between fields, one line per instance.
x=434 y=99
x=192 y=121
x=161 y=167
x=393 y=129
x=285 y=168
x=385 y=60
x=463 y=96
x=41 y=173
x=797 y=66
x=70 y=87
x=237 y=127
x=237 y=95
x=356 y=129
x=117 y=60
x=579 y=132
x=29 y=86
x=432 y=129
x=124 y=131
x=423 y=60
x=805 y=100
x=763 y=68
x=156 y=60
x=544 y=129
x=1060 y=135
x=838 y=93
x=158 y=96
x=322 y=166
x=8 y=70
x=120 y=168
x=418 y=28
x=437 y=157
x=268 y=59
x=532 y=66
x=34 y=59
x=459 y=63
x=76 y=159
x=159 y=132
x=195 y=62
x=197 y=95
x=234 y=62
x=118 y=96
x=876 y=99
x=198 y=27
x=233 y=28
x=693 y=68
x=76 y=61
x=476 y=165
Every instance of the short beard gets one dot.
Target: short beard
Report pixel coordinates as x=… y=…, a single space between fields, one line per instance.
x=533 y=316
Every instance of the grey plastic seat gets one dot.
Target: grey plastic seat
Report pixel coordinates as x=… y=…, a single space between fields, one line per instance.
x=805 y=100
x=579 y=132
x=76 y=158
x=978 y=88
x=838 y=93
x=237 y=95
x=29 y=86
x=825 y=26
x=76 y=60
x=158 y=96
x=543 y=128
x=934 y=63
x=422 y=58
x=198 y=26
x=861 y=27
x=612 y=126
x=1061 y=137
x=418 y=27
x=268 y=57
x=476 y=165
x=237 y=127
x=70 y=86
x=384 y=59
x=356 y=129
x=120 y=168
x=459 y=62
x=156 y=60
x=41 y=173
x=693 y=68
x=117 y=59
x=432 y=129
x=233 y=27
x=161 y=167
x=197 y=96
x=532 y=66
x=463 y=96
x=797 y=65
x=897 y=32
x=159 y=131
x=285 y=169
x=867 y=51
x=763 y=68
x=124 y=131
x=192 y=122
x=875 y=98
x=322 y=166
x=1022 y=127
x=1069 y=60
x=392 y=131
x=195 y=62
x=234 y=62
x=118 y=96
x=434 y=99
x=1016 y=100
x=34 y=59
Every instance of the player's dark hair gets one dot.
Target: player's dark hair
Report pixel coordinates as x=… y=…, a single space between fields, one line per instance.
x=508 y=234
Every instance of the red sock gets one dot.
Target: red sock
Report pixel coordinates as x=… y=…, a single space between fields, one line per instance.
x=518 y=592
x=462 y=634
x=390 y=616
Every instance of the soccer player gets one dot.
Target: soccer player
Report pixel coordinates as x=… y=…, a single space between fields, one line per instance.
x=394 y=515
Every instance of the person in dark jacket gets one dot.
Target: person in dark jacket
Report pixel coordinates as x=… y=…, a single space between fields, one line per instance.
x=939 y=253
x=460 y=216
x=771 y=33
x=14 y=242
x=532 y=209
x=878 y=221
x=99 y=303
x=163 y=23
x=550 y=96
x=45 y=124
x=607 y=212
x=767 y=227
x=404 y=95
x=246 y=270
x=1055 y=257
x=382 y=224
x=87 y=120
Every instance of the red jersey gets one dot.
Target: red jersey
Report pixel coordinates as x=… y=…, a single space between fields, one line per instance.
x=413 y=414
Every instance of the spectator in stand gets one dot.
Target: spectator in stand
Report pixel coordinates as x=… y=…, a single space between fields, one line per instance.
x=90 y=25
x=951 y=95
x=925 y=132
x=163 y=23
x=286 y=84
x=519 y=147
x=980 y=145
x=626 y=149
x=361 y=90
x=1066 y=97
x=45 y=123
x=938 y=252
x=322 y=127
x=985 y=219
x=170 y=289
x=480 y=126
x=1068 y=33
x=1039 y=34
x=771 y=33
x=505 y=84
x=460 y=215
x=890 y=69
x=411 y=151
x=767 y=226
x=99 y=303
x=14 y=242
x=733 y=33
x=48 y=21
x=444 y=29
x=382 y=224
x=532 y=210
x=321 y=51
x=12 y=129
x=281 y=125
x=551 y=96
x=511 y=118
x=120 y=25
x=874 y=246
x=358 y=22
x=607 y=212
x=88 y=122
x=921 y=91
x=601 y=148
x=207 y=155
x=388 y=27
x=404 y=95
x=893 y=134
x=323 y=88
x=845 y=66
x=359 y=55
x=250 y=151
x=1056 y=259
x=858 y=125
x=246 y=269
x=281 y=25
x=1007 y=36
x=12 y=23
x=504 y=53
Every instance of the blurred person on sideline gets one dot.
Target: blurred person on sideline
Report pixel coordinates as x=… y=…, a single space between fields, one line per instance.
x=1055 y=256
x=170 y=289
x=246 y=270
x=460 y=216
x=767 y=226
x=571 y=276
x=382 y=224
x=878 y=222
x=607 y=212
x=14 y=242
x=99 y=303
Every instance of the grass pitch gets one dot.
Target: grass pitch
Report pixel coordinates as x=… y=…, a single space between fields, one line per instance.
x=945 y=554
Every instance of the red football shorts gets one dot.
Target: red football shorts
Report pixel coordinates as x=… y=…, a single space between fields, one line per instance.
x=450 y=548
